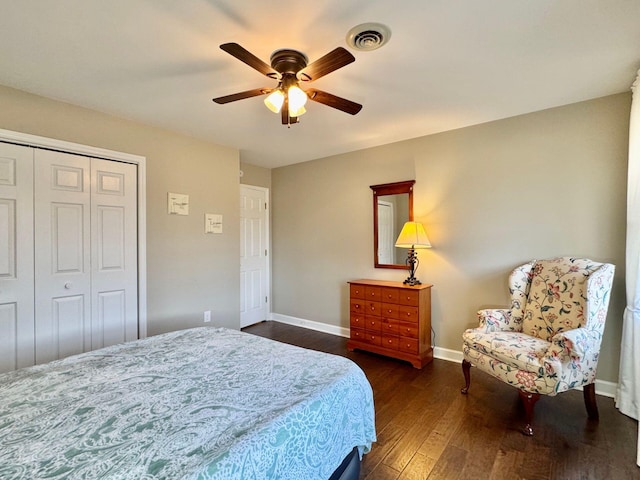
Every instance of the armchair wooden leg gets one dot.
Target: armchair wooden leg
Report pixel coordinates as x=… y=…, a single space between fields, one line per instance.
x=528 y=400
x=589 y=392
x=466 y=371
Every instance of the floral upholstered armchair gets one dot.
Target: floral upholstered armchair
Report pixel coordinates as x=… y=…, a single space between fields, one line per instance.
x=549 y=340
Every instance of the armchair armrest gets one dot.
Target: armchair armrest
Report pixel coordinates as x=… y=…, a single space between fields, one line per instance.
x=495 y=320
x=574 y=344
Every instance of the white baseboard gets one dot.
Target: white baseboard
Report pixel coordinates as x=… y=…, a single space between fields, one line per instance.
x=606 y=389
x=310 y=324
x=603 y=387
x=447 y=354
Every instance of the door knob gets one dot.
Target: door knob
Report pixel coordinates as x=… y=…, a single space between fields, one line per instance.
x=68 y=285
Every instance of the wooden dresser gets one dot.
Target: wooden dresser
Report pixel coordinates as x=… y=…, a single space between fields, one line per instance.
x=392 y=319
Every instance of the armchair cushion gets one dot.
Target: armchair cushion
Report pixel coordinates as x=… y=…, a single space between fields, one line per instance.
x=557 y=296
x=516 y=349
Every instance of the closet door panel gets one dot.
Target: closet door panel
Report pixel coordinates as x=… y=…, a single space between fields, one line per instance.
x=62 y=255
x=16 y=257
x=114 y=275
x=68 y=325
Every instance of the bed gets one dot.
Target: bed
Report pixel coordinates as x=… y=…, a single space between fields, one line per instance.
x=203 y=403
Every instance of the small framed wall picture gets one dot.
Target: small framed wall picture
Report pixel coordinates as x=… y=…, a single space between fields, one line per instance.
x=177 y=204
x=212 y=223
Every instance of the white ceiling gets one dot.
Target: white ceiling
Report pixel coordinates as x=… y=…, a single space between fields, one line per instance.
x=449 y=64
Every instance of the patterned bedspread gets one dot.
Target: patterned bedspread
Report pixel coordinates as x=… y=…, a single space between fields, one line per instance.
x=205 y=403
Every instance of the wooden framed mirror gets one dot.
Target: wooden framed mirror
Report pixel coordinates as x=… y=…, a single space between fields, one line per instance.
x=392 y=207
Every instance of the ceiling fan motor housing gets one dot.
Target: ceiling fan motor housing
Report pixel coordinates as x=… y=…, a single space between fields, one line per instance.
x=288 y=61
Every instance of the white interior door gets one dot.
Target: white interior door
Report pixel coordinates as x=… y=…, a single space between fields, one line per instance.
x=254 y=227
x=386 y=240
x=16 y=257
x=62 y=255
x=114 y=272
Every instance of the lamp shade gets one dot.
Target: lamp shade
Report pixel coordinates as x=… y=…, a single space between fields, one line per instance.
x=413 y=236
x=274 y=101
x=297 y=100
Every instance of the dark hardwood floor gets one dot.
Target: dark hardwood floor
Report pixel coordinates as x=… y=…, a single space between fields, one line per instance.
x=427 y=430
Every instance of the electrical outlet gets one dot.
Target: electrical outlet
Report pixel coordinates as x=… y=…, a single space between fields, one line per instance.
x=207 y=316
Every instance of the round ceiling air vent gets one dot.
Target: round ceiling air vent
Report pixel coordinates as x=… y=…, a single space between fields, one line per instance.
x=368 y=36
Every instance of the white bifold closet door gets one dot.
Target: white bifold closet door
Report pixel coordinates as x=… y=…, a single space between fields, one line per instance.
x=85 y=254
x=16 y=257
x=68 y=254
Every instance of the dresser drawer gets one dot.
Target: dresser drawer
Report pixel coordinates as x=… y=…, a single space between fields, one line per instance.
x=372 y=324
x=390 y=295
x=372 y=293
x=390 y=341
x=373 y=338
x=357 y=320
x=408 y=314
x=373 y=308
x=358 y=334
x=389 y=310
x=389 y=326
x=407 y=329
x=409 y=297
x=357 y=306
x=357 y=291
x=408 y=345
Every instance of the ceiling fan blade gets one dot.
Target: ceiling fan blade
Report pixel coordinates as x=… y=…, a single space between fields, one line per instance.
x=333 y=101
x=332 y=61
x=242 y=95
x=250 y=59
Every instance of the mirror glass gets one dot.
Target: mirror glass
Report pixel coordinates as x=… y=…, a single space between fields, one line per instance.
x=392 y=207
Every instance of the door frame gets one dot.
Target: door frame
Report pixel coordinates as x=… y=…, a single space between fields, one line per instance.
x=391 y=225
x=267 y=229
x=36 y=141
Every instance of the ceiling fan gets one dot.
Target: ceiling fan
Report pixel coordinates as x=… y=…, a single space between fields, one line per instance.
x=290 y=67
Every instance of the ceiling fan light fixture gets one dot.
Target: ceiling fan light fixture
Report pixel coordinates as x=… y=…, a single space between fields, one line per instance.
x=296 y=113
x=275 y=100
x=297 y=99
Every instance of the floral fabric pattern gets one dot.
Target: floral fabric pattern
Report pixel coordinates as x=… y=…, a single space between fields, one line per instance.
x=557 y=296
x=555 y=345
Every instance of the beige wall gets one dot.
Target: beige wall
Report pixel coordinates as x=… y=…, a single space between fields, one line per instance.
x=256 y=176
x=491 y=197
x=188 y=272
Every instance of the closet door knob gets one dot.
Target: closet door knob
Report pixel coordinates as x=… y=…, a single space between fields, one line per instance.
x=68 y=285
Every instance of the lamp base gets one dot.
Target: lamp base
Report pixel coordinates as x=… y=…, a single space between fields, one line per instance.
x=411 y=281
x=412 y=263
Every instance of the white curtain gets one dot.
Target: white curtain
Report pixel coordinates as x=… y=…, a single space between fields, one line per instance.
x=628 y=394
